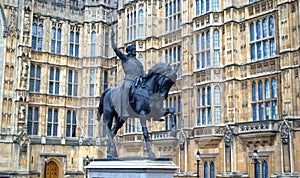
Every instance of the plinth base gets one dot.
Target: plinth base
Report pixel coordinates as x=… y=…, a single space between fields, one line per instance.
x=131 y=168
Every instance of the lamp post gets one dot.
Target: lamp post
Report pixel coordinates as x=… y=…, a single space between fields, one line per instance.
x=198 y=162
x=45 y=166
x=256 y=167
x=86 y=162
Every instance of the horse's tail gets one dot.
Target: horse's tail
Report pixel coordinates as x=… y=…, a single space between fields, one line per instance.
x=100 y=107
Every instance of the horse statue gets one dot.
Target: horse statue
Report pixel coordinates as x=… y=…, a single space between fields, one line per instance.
x=145 y=100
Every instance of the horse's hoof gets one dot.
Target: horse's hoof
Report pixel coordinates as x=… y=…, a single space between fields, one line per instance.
x=152 y=155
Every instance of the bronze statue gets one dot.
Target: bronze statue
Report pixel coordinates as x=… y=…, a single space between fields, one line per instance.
x=142 y=97
x=132 y=69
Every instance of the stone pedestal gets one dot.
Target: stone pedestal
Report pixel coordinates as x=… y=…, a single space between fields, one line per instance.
x=131 y=168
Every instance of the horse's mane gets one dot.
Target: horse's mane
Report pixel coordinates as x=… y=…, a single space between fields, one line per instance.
x=164 y=69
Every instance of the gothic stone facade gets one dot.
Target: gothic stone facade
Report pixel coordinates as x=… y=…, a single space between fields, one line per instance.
x=237 y=88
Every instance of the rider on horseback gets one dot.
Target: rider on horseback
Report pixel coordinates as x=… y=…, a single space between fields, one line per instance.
x=132 y=69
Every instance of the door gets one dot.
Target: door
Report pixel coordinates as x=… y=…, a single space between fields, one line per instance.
x=52 y=170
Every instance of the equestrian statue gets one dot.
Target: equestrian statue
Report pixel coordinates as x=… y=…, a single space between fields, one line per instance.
x=141 y=96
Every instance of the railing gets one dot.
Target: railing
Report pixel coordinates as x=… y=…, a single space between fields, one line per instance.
x=209 y=131
x=257 y=126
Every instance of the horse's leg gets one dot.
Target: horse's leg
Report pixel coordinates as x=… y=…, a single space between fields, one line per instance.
x=172 y=120
x=111 y=147
x=146 y=136
x=118 y=124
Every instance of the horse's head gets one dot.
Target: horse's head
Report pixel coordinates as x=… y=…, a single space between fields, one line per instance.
x=166 y=77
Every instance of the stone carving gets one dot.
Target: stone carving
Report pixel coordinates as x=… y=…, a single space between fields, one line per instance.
x=228 y=137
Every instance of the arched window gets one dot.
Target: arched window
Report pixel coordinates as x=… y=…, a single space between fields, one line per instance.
x=251 y=31
x=34 y=35
x=77 y=44
x=260 y=90
x=264 y=169
x=170 y=9
x=53 y=38
x=179 y=104
x=265 y=28
x=166 y=9
x=141 y=23
x=271 y=26
x=93 y=44
x=267 y=89
x=212 y=169
x=40 y=37
x=205 y=169
x=258 y=34
x=216 y=48
x=253 y=91
x=256 y=169
x=274 y=88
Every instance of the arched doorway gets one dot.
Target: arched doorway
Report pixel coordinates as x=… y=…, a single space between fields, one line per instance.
x=52 y=170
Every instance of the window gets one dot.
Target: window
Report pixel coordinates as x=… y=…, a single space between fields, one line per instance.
x=33 y=121
x=131 y=25
x=215 y=5
x=205 y=169
x=93 y=42
x=91 y=124
x=54 y=81
x=37 y=34
x=106 y=44
x=265 y=169
x=203 y=6
x=72 y=83
x=74 y=41
x=203 y=50
x=92 y=82
x=212 y=169
x=175 y=103
x=173 y=16
x=105 y=80
x=35 y=78
x=204 y=111
x=71 y=124
x=217 y=103
x=256 y=169
x=52 y=124
x=262 y=39
x=56 y=38
x=216 y=48
x=264 y=106
x=141 y=22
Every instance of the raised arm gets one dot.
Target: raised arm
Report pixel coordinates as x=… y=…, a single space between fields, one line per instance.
x=117 y=51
